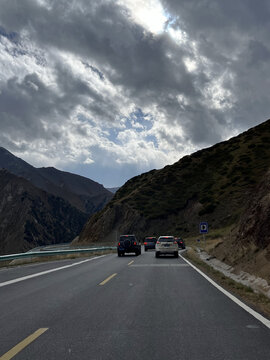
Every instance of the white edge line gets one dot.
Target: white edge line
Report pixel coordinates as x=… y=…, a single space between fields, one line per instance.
x=46 y=272
x=254 y=313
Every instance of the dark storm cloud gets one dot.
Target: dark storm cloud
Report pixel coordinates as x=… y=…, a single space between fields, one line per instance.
x=233 y=37
x=104 y=32
x=22 y=106
x=198 y=17
x=137 y=59
x=30 y=110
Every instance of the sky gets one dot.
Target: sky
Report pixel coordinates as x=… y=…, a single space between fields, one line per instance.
x=109 y=89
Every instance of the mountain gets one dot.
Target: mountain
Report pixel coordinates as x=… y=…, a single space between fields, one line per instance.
x=214 y=184
x=31 y=217
x=113 y=189
x=86 y=195
x=248 y=246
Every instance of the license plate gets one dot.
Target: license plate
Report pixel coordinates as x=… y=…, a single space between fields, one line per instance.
x=166 y=245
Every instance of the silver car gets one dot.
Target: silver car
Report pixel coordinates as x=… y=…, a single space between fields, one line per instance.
x=166 y=245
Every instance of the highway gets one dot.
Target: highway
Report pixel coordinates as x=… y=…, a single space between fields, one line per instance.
x=122 y=308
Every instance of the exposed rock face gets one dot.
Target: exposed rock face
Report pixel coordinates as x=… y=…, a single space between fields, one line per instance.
x=248 y=247
x=86 y=195
x=30 y=217
x=255 y=222
x=116 y=220
x=123 y=219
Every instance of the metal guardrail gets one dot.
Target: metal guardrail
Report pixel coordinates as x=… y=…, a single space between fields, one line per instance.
x=53 y=252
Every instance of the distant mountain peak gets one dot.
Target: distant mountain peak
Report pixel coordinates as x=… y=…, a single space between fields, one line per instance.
x=83 y=193
x=54 y=207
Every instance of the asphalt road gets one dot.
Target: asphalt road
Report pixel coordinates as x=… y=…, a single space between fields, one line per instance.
x=148 y=309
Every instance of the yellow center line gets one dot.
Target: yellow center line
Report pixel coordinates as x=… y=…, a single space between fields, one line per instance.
x=19 y=347
x=131 y=262
x=106 y=280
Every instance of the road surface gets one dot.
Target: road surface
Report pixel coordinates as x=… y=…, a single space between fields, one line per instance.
x=123 y=308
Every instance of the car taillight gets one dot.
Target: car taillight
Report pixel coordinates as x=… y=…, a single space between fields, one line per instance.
x=158 y=242
x=175 y=242
x=145 y=243
x=118 y=244
x=181 y=242
x=135 y=243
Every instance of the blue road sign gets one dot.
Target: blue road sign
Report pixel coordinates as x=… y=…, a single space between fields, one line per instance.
x=204 y=227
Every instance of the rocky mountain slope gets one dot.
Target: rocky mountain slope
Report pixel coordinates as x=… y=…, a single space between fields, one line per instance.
x=86 y=195
x=31 y=217
x=213 y=184
x=248 y=247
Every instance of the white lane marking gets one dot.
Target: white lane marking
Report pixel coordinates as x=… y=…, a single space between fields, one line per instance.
x=258 y=316
x=159 y=265
x=46 y=272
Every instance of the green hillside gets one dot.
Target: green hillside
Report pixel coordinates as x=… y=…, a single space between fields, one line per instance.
x=212 y=184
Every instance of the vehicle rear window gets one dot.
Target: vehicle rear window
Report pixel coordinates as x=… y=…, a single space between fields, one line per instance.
x=166 y=239
x=127 y=237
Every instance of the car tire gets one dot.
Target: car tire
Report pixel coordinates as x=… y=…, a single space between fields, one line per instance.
x=157 y=254
x=176 y=254
x=145 y=249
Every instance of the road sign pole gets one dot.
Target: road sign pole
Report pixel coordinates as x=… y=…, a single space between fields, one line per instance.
x=203 y=231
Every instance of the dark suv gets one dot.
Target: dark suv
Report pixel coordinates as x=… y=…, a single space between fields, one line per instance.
x=128 y=244
x=181 y=243
x=150 y=243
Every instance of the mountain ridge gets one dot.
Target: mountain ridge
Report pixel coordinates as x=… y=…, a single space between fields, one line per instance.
x=213 y=184
x=83 y=193
x=31 y=217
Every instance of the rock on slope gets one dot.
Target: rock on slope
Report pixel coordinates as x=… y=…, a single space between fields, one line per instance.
x=30 y=217
x=249 y=246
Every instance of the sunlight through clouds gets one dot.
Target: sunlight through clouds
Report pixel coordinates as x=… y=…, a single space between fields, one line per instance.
x=149 y=14
x=128 y=85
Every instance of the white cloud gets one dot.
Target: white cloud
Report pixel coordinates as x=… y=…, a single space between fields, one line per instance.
x=190 y=64
x=128 y=84
x=180 y=37
x=149 y=14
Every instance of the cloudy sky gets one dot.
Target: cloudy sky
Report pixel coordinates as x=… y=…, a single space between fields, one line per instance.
x=112 y=88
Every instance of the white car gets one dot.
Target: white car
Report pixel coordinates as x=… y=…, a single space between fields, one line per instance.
x=166 y=245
